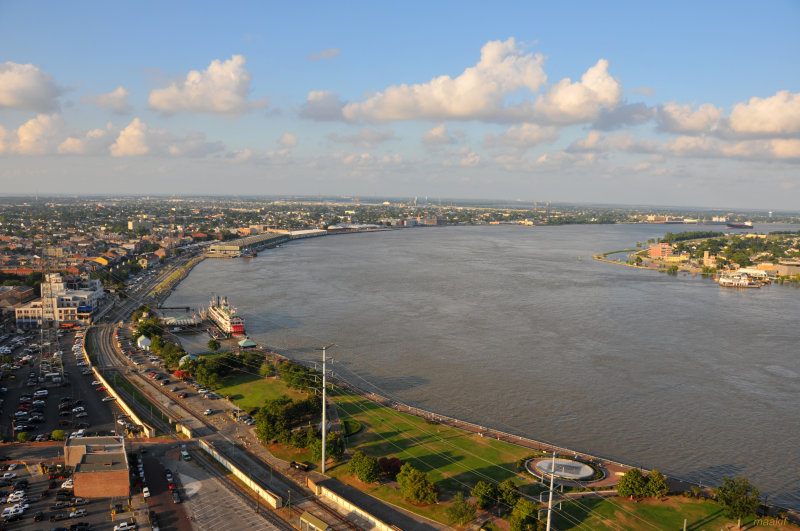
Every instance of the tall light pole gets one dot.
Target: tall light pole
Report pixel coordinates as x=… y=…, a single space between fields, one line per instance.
x=324 y=382
x=552 y=477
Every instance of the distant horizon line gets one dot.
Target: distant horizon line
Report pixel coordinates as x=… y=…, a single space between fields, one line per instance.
x=377 y=199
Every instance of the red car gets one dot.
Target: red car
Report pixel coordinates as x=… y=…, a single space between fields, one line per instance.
x=183 y=395
x=101 y=388
x=152 y=375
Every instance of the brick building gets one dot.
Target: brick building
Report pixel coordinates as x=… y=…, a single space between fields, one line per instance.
x=100 y=466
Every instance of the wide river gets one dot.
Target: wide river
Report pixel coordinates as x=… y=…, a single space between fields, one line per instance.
x=518 y=328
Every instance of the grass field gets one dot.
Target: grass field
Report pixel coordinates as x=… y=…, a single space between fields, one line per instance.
x=249 y=391
x=456 y=460
x=617 y=514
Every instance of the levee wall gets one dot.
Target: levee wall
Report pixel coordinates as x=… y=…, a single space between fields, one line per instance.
x=269 y=498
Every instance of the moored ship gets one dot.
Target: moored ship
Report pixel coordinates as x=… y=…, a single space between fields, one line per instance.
x=225 y=317
x=738 y=281
x=745 y=225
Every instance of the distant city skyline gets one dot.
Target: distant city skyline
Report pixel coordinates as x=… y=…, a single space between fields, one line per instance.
x=685 y=104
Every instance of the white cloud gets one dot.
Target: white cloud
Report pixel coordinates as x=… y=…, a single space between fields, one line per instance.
x=94 y=142
x=521 y=136
x=132 y=141
x=566 y=102
x=477 y=93
x=676 y=118
x=222 y=88
x=438 y=136
x=706 y=147
x=288 y=140
x=624 y=115
x=37 y=136
x=194 y=145
x=27 y=87
x=367 y=137
x=322 y=105
x=778 y=115
x=330 y=53
x=597 y=143
x=116 y=100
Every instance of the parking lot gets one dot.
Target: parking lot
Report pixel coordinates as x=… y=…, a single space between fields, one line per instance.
x=47 y=391
x=48 y=499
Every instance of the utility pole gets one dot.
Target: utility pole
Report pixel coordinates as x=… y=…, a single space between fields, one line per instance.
x=324 y=382
x=550 y=503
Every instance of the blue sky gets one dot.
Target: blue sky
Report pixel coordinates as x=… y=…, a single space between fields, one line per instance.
x=680 y=103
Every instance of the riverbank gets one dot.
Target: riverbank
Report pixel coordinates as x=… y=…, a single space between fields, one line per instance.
x=463 y=320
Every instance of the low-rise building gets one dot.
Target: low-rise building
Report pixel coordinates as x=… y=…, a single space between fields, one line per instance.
x=100 y=466
x=660 y=250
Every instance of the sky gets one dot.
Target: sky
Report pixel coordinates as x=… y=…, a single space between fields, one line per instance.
x=661 y=103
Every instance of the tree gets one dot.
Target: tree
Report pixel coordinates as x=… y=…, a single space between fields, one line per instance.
x=23 y=436
x=334 y=449
x=213 y=345
x=632 y=484
x=58 y=435
x=415 y=486
x=656 y=484
x=486 y=494
x=267 y=369
x=364 y=467
x=460 y=511
x=508 y=492
x=738 y=497
x=524 y=516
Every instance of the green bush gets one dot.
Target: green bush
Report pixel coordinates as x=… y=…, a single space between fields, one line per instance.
x=58 y=435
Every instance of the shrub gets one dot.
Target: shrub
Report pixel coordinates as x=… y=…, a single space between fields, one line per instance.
x=364 y=467
x=390 y=466
x=58 y=435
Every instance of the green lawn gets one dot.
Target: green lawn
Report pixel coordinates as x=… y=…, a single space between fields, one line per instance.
x=249 y=391
x=617 y=514
x=456 y=460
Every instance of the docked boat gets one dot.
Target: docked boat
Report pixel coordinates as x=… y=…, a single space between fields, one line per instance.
x=225 y=317
x=738 y=281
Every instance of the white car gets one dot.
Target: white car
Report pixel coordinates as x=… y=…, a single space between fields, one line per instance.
x=9 y=475
x=96 y=383
x=11 y=511
x=67 y=484
x=13 y=466
x=146 y=492
x=109 y=398
x=125 y=526
x=22 y=506
x=79 y=409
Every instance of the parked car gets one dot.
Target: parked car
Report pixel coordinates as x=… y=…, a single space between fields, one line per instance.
x=146 y=492
x=78 y=513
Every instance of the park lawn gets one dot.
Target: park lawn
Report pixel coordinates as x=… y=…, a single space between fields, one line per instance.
x=454 y=459
x=622 y=513
x=248 y=391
